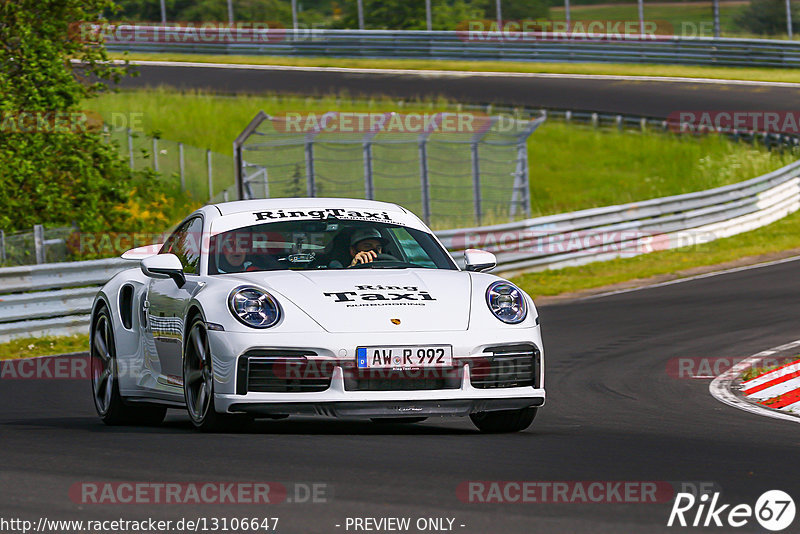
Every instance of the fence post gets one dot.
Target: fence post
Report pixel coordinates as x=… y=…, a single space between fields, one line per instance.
x=476 y=169
x=522 y=182
x=369 y=186
x=210 y=175
x=311 y=185
x=130 y=148
x=595 y=120
x=423 y=178
x=2 y=246
x=155 y=154
x=476 y=182
x=181 y=166
x=238 y=160
x=38 y=243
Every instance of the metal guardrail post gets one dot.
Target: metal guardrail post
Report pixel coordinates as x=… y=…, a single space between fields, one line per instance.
x=38 y=243
x=210 y=175
x=2 y=246
x=130 y=149
x=181 y=166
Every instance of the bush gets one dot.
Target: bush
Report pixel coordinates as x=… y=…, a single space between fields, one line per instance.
x=72 y=176
x=767 y=17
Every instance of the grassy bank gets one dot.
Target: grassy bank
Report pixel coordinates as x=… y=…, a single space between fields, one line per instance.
x=43 y=346
x=612 y=69
x=571 y=166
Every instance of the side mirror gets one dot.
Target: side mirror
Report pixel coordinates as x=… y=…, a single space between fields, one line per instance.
x=164 y=266
x=479 y=260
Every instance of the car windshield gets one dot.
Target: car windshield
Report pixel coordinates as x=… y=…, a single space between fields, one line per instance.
x=324 y=244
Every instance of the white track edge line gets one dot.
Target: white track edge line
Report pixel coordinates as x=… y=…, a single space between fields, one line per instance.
x=691 y=278
x=720 y=386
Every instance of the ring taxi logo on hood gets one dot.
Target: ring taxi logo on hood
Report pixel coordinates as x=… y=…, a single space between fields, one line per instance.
x=367 y=293
x=339 y=213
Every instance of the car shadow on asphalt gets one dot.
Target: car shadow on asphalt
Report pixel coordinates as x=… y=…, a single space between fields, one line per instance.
x=304 y=426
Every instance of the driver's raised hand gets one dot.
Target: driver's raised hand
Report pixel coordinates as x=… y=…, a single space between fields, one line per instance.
x=365 y=256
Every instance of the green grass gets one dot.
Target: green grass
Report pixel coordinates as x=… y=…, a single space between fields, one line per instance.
x=753 y=372
x=778 y=236
x=571 y=166
x=43 y=346
x=632 y=69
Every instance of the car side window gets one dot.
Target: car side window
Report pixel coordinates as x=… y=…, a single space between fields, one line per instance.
x=185 y=244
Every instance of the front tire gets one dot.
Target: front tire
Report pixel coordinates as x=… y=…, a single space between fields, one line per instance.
x=504 y=421
x=108 y=402
x=198 y=384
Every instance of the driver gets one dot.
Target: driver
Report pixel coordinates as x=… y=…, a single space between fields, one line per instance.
x=235 y=248
x=365 y=245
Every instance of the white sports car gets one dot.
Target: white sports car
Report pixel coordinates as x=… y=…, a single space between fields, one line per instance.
x=308 y=306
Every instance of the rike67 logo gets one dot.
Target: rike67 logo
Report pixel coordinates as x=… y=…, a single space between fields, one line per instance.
x=774 y=510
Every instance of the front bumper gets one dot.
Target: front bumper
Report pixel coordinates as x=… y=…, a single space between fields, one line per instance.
x=458 y=399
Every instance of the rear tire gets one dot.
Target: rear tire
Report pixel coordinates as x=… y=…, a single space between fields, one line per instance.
x=108 y=402
x=504 y=421
x=198 y=385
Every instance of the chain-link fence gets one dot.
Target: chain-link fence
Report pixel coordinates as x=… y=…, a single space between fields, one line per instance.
x=206 y=175
x=452 y=168
x=37 y=245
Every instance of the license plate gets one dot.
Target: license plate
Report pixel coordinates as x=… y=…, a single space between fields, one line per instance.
x=404 y=357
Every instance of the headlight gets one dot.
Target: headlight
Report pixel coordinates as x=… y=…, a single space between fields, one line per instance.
x=254 y=307
x=506 y=302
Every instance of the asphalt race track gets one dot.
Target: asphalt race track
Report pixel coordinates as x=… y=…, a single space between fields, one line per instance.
x=651 y=98
x=613 y=414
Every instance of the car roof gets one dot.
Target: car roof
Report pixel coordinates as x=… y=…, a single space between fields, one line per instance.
x=229 y=208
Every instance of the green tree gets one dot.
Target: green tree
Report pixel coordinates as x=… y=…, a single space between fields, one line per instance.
x=767 y=17
x=49 y=63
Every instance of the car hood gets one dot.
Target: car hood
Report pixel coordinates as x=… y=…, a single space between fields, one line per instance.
x=375 y=300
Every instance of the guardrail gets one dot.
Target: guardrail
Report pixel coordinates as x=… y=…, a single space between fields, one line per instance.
x=463 y=45
x=625 y=230
x=55 y=299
